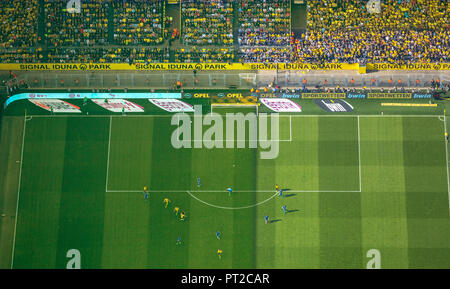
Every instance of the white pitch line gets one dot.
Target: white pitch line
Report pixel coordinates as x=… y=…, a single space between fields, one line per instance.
x=446 y=155
x=224 y=191
x=359 y=156
x=18 y=190
x=232 y=208
x=281 y=115
x=109 y=148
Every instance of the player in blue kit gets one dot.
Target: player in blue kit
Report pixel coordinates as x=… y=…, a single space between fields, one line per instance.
x=284 y=209
x=266 y=219
x=218 y=235
x=146 y=194
x=198 y=182
x=229 y=191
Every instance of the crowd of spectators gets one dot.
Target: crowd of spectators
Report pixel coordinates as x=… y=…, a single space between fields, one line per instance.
x=18 y=55
x=207 y=22
x=138 y=22
x=265 y=54
x=18 y=20
x=65 y=28
x=405 y=31
x=108 y=55
x=204 y=54
x=264 y=23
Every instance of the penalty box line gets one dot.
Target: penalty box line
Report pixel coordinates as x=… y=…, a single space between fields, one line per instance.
x=290 y=140
x=109 y=144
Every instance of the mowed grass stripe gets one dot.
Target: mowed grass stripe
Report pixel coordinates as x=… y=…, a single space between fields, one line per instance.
x=130 y=153
x=244 y=232
x=383 y=201
x=292 y=241
x=340 y=213
x=218 y=170
x=11 y=138
x=171 y=170
x=297 y=235
x=81 y=218
x=40 y=194
x=427 y=193
x=127 y=215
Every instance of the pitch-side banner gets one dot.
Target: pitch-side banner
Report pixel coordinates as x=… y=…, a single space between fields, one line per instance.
x=118 y=105
x=176 y=66
x=216 y=66
x=33 y=95
x=172 y=105
x=56 y=105
x=281 y=105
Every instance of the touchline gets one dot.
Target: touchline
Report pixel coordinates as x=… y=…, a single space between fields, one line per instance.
x=209 y=129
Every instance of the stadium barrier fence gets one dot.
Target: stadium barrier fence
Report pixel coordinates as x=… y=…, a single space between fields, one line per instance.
x=225 y=79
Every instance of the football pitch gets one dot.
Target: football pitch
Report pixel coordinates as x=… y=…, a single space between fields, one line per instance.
x=353 y=183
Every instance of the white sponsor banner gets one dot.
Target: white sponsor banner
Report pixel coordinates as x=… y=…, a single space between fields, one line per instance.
x=56 y=105
x=119 y=105
x=336 y=105
x=39 y=95
x=281 y=105
x=172 y=105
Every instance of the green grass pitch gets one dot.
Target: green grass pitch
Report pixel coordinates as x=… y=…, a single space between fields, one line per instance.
x=355 y=183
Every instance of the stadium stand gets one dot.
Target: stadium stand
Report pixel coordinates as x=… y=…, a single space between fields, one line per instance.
x=90 y=27
x=204 y=54
x=19 y=31
x=404 y=31
x=108 y=55
x=138 y=22
x=207 y=22
x=338 y=31
x=19 y=23
x=264 y=23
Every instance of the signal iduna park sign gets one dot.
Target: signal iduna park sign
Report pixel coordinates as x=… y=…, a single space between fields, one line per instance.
x=216 y=66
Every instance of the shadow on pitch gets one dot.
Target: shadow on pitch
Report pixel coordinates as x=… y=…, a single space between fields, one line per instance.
x=290 y=195
x=274 y=221
x=291 y=211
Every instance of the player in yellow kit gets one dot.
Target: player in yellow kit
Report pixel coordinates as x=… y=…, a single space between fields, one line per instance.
x=182 y=216
x=219 y=253
x=277 y=187
x=166 y=202
x=176 y=209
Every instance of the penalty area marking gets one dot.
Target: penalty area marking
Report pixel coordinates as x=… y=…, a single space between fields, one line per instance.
x=232 y=208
